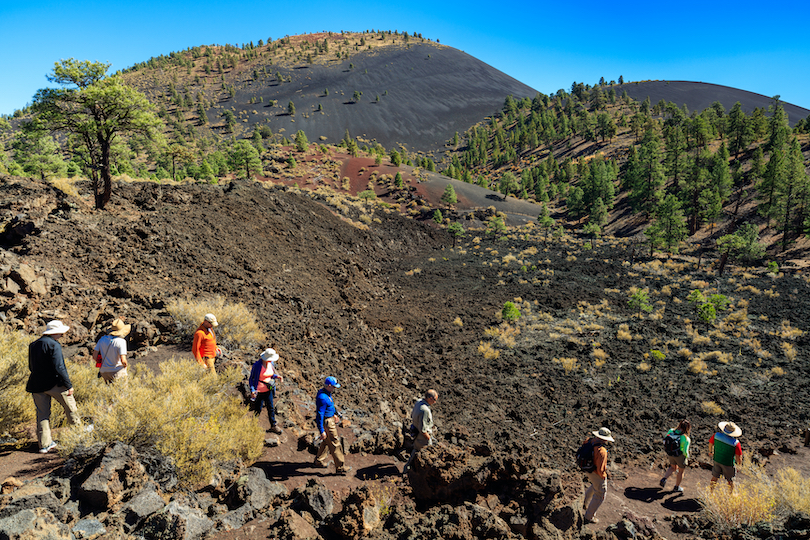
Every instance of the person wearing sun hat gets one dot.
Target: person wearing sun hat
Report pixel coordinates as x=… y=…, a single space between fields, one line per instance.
x=726 y=452
x=595 y=494
x=204 y=347
x=262 y=382
x=113 y=351
x=325 y=412
x=49 y=379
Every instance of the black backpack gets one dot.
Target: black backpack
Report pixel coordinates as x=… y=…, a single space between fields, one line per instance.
x=584 y=457
x=672 y=444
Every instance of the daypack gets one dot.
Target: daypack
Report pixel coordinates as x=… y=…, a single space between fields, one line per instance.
x=584 y=457
x=672 y=444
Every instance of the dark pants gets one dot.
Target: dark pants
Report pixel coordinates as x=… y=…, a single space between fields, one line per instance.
x=265 y=399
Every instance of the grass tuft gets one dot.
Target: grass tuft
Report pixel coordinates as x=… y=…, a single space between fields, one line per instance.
x=237 y=325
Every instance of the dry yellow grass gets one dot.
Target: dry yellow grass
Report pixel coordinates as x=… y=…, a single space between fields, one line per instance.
x=486 y=350
x=624 y=333
x=710 y=407
x=569 y=364
x=237 y=329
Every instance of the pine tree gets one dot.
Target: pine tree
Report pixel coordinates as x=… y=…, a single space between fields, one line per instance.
x=668 y=227
x=449 y=196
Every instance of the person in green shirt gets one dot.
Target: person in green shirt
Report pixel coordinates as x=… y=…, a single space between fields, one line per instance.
x=676 y=444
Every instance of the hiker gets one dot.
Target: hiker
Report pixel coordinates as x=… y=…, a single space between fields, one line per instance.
x=112 y=349
x=422 y=424
x=592 y=457
x=204 y=347
x=726 y=452
x=262 y=382
x=325 y=413
x=49 y=379
x=676 y=445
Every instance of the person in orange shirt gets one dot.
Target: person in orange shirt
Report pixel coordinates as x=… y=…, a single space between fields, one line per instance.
x=204 y=347
x=598 y=476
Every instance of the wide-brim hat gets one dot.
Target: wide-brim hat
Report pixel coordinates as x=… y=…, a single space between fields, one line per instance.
x=604 y=434
x=269 y=355
x=55 y=327
x=119 y=329
x=730 y=428
x=212 y=319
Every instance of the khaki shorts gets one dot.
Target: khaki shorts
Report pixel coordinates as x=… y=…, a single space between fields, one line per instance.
x=726 y=471
x=680 y=461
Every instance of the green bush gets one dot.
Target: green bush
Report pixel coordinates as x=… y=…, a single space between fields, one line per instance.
x=184 y=412
x=16 y=407
x=237 y=325
x=640 y=301
x=510 y=312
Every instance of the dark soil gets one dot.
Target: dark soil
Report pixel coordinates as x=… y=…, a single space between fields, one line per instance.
x=377 y=309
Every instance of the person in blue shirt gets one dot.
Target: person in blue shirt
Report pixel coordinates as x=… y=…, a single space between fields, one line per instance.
x=325 y=412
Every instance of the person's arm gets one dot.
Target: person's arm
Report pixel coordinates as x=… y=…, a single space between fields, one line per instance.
x=427 y=421
x=685 y=445
x=253 y=380
x=321 y=405
x=711 y=446
x=121 y=347
x=600 y=461
x=195 y=345
x=738 y=453
x=60 y=368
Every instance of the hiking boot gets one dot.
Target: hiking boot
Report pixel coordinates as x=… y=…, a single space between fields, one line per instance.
x=318 y=465
x=275 y=429
x=47 y=448
x=344 y=471
x=678 y=489
x=591 y=520
x=663 y=482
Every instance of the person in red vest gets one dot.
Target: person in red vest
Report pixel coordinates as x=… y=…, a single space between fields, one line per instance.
x=204 y=347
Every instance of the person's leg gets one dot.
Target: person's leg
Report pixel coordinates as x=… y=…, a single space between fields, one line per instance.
x=326 y=446
x=420 y=442
x=670 y=470
x=598 y=491
x=271 y=411
x=679 y=478
x=334 y=444
x=209 y=364
x=42 y=402
x=68 y=402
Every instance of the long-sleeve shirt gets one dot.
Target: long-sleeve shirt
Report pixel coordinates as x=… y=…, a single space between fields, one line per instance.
x=422 y=417
x=47 y=366
x=205 y=344
x=324 y=408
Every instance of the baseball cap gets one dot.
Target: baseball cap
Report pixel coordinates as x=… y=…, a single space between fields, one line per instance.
x=331 y=381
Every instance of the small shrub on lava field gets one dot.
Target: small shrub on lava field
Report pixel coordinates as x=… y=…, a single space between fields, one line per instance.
x=788 y=332
x=15 y=402
x=486 y=350
x=789 y=351
x=66 y=186
x=684 y=352
x=568 y=364
x=657 y=355
x=457 y=322
x=750 y=502
x=639 y=300
x=710 y=407
x=510 y=312
x=699 y=367
x=599 y=357
x=208 y=423
x=237 y=325
x=643 y=366
x=776 y=371
x=718 y=356
x=624 y=333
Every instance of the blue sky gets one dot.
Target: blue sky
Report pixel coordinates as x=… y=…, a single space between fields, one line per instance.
x=547 y=45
